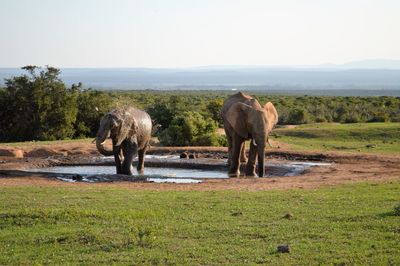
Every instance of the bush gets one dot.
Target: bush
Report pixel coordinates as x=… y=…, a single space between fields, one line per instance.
x=352 y=119
x=298 y=116
x=92 y=105
x=189 y=128
x=210 y=139
x=214 y=109
x=379 y=117
x=161 y=114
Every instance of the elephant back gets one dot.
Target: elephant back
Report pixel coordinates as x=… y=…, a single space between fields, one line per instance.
x=238 y=97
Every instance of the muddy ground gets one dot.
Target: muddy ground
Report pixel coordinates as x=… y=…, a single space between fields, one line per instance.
x=345 y=168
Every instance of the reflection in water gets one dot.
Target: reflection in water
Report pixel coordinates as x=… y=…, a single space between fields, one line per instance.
x=152 y=174
x=148 y=171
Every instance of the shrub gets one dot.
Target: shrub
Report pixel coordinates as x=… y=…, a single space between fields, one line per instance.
x=320 y=120
x=210 y=139
x=352 y=119
x=379 y=117
x=298 y=116
x=92 y=105
x=189 y=128
x=214 y=109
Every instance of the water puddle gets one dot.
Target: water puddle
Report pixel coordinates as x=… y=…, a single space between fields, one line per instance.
x=106 y=173
x=95 y=173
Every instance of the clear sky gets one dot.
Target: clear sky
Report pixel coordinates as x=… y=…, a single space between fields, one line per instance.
x=182 y=33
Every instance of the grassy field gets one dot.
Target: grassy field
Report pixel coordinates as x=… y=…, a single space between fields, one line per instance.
x=355 y=224
x=364 y=137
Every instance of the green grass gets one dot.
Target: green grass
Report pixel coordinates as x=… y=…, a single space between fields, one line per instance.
x=354 y=224
x=45 y=142
x=364 y=137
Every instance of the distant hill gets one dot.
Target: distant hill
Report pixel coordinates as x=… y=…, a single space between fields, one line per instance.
x=362 y=75
x=373 y=64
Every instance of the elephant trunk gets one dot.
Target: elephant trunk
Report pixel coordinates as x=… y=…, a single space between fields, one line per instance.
x=100 y=139
x=261 y=159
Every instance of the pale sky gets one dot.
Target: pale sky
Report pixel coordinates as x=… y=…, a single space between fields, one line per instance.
x=185 y=33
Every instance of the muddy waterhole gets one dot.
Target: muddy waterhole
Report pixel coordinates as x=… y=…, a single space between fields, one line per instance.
x=167 y=173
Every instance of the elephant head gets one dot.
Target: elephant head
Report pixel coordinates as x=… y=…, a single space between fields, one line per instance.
x=118 y=126
x=254 y=123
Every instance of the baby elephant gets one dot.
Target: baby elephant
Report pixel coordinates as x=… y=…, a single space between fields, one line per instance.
x=130 y=131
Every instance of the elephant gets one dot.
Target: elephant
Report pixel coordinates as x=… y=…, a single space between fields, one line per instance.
x=245 y=119
x=130 y=130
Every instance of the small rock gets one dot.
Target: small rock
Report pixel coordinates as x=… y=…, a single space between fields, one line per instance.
x=370 y=146
x=288 y=216
x=77 y=177
x=238 y=213
x=183 y=155
x=283 y=249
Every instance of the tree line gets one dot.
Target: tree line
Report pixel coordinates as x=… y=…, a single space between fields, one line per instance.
x=39 y=106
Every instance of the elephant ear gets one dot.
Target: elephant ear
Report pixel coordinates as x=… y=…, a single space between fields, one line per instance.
x=128 y=128
x=237 y=117
x=272 y=115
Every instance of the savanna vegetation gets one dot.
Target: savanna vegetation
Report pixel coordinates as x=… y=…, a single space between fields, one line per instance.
x=354 y=224
x=39 y=106
x=357 y=137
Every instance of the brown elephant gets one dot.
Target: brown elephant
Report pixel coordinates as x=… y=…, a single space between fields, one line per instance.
x=245 y=119
x=130 y=131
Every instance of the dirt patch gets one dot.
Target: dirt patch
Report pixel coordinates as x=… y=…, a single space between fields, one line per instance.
x=11 y=152
x=346 y=168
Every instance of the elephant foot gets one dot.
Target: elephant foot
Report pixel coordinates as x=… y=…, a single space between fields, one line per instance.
x=234 y=174
x=251 y=174
x=140 y=171
x=127 y=171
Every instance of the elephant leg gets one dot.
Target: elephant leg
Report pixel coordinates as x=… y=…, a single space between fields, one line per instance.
x=129 y=153
x=234 y=170
x=243 y=157
x=118 y=158
x=251 y=163
x=141 y=154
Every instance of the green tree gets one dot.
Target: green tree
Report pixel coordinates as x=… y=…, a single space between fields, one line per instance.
x=214 y=110
x=38 y=106
x=189 y=128
x=92 y=105
x=298 y=116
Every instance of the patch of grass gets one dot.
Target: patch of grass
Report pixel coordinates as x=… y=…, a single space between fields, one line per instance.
x=103 y=225
x=360 y=137
x=45 y=142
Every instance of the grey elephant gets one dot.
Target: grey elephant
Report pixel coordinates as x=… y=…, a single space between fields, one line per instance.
x=245 y=119
x=130 y=131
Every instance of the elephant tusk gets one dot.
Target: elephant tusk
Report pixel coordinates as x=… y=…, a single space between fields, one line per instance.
x=269 y=143
x=254 y=143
